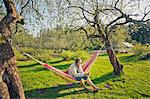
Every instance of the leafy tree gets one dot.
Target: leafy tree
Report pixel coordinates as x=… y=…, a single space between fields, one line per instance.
x=120 y=34
x=141 y=35
x=59 y=38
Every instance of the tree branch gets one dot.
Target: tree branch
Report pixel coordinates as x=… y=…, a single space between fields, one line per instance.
x=24 y=6
x=117 y=24
x=69 y=2
x=87 y=18
x=82 y=28
x=145 y=15
x=94 y=36
x=81 y=9
x=106 y=28
x=10 y=7
x=35 y=9
x=118 y=8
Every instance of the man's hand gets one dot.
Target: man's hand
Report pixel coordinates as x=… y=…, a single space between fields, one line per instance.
x=86 y=74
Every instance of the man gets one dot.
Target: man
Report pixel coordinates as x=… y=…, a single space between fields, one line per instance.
x=76 y=71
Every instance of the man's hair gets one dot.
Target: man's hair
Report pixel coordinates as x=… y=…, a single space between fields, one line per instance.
x=76 y=61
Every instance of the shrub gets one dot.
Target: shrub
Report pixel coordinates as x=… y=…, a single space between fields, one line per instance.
x=19 y=56
x=142 y=51
x=139 y=49
x=28 y=50
x=40 y=54
x=67 y=55
x=145 y=56
x=43 y=54
x=84 y=55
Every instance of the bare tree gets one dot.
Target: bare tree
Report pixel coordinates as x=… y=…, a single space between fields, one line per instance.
x=104 y=16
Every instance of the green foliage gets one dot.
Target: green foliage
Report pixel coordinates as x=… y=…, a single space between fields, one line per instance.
x=145 y=56
x=140 y=50
x=84 y=55
x=40 y=83
x=43 y=54
x=25 y=40
x=55 y=39
x=119 y=35
x=19 y=56
x=40 y=54
x=29 y=50
x=141 y=34
x=67 y=55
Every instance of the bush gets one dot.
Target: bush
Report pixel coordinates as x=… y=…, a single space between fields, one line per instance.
x=139 y=49
x=145 y=56
x=40 y=54
x=84 y=55
x=67 y=55
x=19 y=56
x=43 y=54
x=142 y=51
x=28 y=50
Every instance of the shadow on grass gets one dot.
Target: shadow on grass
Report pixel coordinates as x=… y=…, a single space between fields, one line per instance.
x=55 y=92
x=103 y=55
x=32 y=65
x=103 y=78
x=28 y=66
x=62 y=67
x=54 y=62
x=131 y=58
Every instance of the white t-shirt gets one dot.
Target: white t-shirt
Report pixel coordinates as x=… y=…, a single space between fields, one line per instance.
x=75 y=71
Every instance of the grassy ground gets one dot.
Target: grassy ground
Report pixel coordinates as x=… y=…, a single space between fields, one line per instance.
x=40 y=83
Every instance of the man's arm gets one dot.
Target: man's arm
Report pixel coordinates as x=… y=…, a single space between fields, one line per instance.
x=74 y=71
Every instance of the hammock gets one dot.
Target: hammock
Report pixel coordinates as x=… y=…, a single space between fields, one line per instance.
x=86 y=67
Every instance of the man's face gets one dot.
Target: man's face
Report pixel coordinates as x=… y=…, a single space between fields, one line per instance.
x=79 y=62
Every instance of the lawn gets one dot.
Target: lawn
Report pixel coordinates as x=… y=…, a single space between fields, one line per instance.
x=40 y=83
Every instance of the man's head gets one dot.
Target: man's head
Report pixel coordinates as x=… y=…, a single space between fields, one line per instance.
x=78 y=61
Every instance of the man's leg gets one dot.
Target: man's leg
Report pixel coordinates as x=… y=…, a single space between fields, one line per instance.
x=82 y=83
x=91 y=84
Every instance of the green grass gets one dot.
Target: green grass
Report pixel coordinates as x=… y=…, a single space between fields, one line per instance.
x=40 y=83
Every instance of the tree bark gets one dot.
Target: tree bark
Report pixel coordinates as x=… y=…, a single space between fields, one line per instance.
x=118 y=68
x=10 y=83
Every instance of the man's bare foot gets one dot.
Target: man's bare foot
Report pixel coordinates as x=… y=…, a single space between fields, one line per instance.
x=96 y=89
x=88 y=89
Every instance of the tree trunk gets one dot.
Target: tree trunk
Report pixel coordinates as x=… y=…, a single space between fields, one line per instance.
x=12 y=86
x=10 y=83
x=118 y=68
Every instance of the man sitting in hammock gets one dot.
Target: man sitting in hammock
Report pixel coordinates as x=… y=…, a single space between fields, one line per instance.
x=76 y=71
